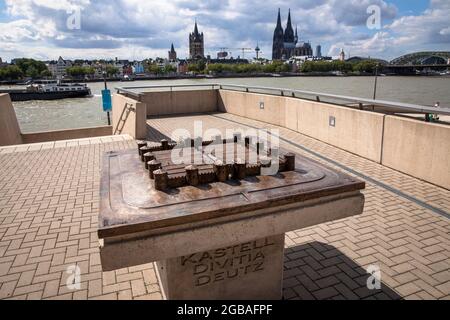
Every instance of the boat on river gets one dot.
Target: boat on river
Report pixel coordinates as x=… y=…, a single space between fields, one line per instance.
x=49 y=90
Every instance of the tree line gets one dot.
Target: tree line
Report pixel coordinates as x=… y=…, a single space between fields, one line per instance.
x=366 y=66
x=24 y=68
x=250 y=68
x=78 y=71
x=36 y=69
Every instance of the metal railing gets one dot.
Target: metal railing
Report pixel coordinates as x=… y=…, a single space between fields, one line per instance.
x=300 y=94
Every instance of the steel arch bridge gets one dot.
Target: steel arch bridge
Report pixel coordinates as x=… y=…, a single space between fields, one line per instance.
x=420 y=58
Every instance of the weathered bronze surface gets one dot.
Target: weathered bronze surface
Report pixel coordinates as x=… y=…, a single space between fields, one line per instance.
x=219 y=166
x=130 y=202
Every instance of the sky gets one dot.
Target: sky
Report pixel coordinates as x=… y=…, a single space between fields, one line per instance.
x=137 y=29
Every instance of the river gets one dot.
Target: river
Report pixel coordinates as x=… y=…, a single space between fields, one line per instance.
x=36 y=116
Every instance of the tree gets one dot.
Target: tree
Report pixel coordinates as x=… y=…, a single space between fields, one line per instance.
x=46 y=74
x=89 y=70
x=276 y=66
x=30 y=67
x=154 y=68
x=326 y=66
x=11 y=72
x=112 y=71
x=367 y=66
x=32 y=72
x=79 y=71
x=198 y=67
x=169 y=69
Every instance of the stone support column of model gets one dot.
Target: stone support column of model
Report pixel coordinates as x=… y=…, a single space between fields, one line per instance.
x=252 y=270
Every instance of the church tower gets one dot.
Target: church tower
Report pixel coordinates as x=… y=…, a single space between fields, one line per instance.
x=286 y=43
x=296 y=35
x=196 y=44
x=289 y=36
x=342 y=55
x=278 y=40
x=172 y=54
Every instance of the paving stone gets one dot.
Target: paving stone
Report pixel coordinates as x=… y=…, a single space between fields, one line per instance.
x=50 y=223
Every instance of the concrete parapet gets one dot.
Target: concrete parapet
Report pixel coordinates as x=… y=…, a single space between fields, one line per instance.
x=9 y=127
x=356 y=131
x=66 y=134
x=129 y=117
x=417 y=148
x=180 y=102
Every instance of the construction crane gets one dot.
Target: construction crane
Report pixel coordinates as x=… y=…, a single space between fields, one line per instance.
x=243 y=50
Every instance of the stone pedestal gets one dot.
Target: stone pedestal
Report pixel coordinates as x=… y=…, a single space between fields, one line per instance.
x=218 y=240
x=251 y=270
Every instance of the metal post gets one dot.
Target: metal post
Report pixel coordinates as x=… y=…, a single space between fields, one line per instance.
x=106 y=88
x=376 y=83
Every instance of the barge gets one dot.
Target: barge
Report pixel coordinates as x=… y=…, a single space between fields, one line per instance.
x=49 y=90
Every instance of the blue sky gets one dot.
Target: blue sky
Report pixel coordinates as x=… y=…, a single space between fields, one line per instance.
x=407 y=7
x=3 y=14
x=136 y=29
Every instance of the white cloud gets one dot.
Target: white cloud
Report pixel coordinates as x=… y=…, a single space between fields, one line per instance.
x=445 y=31
x=140 y=29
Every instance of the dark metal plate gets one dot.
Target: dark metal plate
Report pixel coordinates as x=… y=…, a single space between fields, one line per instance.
x=130 y=203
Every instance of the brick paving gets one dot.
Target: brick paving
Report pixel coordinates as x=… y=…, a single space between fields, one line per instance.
x=49 y=202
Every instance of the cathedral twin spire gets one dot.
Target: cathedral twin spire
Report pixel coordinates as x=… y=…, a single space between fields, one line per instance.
x=279 y=19
x=288 y=34
x=285 y=41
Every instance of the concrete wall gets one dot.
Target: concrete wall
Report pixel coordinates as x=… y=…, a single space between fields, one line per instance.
x=419 y=149
x=249 y=105
x=129 y=117
x=180 y=102
x=359 y=132
x=9 y=127
x=66 y=134
x=356 y=131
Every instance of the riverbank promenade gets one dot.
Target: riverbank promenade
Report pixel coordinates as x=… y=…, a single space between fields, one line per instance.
x=49 y=207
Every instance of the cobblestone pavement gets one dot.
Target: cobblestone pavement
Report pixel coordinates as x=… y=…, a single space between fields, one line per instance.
x=49 y=202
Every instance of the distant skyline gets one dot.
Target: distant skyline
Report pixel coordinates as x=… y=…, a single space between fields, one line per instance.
x=132 y=29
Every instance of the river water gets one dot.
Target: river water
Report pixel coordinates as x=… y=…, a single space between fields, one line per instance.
x=35 y=116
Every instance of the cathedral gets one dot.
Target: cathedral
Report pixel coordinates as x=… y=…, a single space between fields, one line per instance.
x=196 y=44
x=286 y=43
